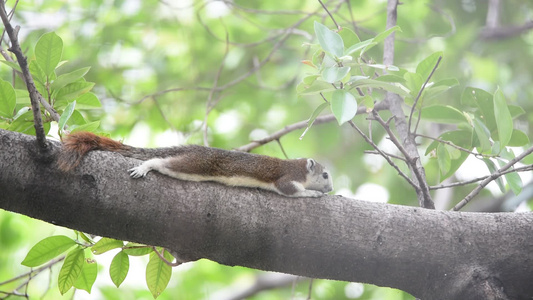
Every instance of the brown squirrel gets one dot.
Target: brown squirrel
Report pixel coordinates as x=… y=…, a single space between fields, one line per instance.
x=292 y=178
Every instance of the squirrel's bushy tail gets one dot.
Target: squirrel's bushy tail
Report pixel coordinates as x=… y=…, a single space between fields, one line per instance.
x=77 y=144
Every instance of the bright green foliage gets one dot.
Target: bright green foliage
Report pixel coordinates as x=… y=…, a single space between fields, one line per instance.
x=119 y=268
x=87 y=276
x=158 y=273
x=338 y=71
x=71 y=269
x=47 y=249
x=9 y=99
x=62 y=92
x=106 y=244
x=135 y=249
x=48 y=52
x=329 y=40
x=504 y=121
x=343 y=106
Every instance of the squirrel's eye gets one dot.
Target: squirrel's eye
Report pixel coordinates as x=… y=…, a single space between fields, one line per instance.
x=325 y=175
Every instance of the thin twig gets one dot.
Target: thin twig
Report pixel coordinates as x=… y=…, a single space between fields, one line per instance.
x=169 y=263
x=490 y=178
x=331 y=16
x=418 y=97
x=32 y=273
x=461 y=183
x=388 y=154
x=412 y=162
x=455 y=146
x=278 y=134
x=391 y=163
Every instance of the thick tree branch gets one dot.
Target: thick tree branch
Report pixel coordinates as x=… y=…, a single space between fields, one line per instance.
x=430 y=254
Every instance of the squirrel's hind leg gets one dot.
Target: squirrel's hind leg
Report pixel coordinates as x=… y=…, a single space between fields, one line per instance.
x=147 y=166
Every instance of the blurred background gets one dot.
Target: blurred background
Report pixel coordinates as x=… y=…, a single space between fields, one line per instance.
x=163 y=68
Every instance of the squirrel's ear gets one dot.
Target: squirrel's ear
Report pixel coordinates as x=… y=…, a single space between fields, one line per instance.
x=311 y=165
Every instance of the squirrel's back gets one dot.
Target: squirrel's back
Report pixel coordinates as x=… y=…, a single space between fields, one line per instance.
x=77 y=144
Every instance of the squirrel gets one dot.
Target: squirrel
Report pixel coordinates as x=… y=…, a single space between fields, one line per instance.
x=291 y=178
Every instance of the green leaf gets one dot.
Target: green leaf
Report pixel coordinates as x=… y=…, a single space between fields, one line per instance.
x=106 y=244
x=87 y=276
x=444 y=159
x=135 y=249
x=119 y=268
x=12 y=65
x=516 y=110
x=8 y=99
x=68 y=78
x=66 y=115
x=74 y=90
x=91 y=127
x=158 y=274
x=492 y=169
x=359 y=47
x=513 y=179
x=518 y=139
x=391 y=78
x=425 y=67
x=330 y=41
x=413 y=82
x=48 y=52
x=515 y=182
x=384 y=67
x=343 y=106
x=380 y=37
x=335 y=73
x=39 y=78
x=316 y=87
x=439 y=87
x=372 y=83
x=482 y=134
x=47 y=249
x=482 y=100
x=23 y=97
x=71 y=269
x=443 y=114
x=504 y=121
x=461 y=138
x=349 y=37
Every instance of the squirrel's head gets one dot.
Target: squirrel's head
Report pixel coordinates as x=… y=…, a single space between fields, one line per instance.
x=318 y=178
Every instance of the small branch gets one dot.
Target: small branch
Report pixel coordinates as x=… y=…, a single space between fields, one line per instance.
x=411 y=162
x=169 y=263
x=391 y=163
x=490 y=178
x=455 y=146
x=278 y=134
x=35 y=96
x=32 y=273
x=302 y=124
x=461 y=183
x=418 y=97
x=388 y=154
x=388 y=43
x=330 y=15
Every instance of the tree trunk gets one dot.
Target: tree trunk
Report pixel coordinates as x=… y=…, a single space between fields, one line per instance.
x=430 y=254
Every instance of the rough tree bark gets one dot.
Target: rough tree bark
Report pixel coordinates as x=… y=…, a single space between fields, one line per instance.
x=430 y=254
